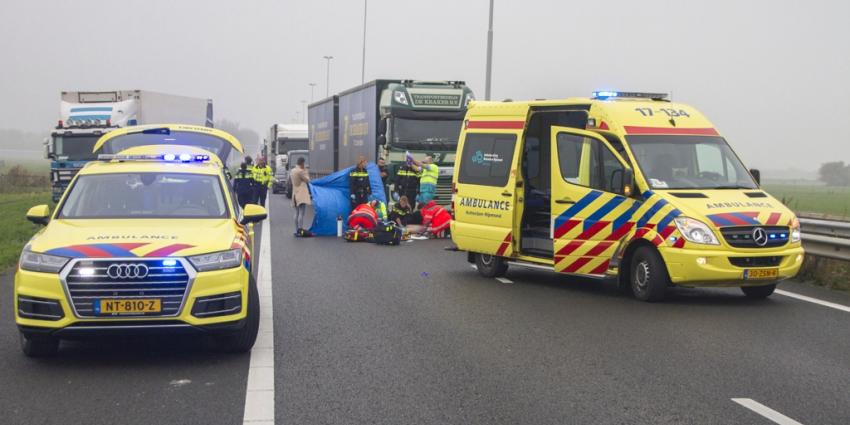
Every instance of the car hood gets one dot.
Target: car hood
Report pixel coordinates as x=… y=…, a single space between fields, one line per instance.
x=730 y=207
x=88 y=238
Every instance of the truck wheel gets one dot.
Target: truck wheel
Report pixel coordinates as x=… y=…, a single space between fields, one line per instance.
x=758 y=292
x=39 y=346
x=490 y=265
x=242 y=340
x=648 y=276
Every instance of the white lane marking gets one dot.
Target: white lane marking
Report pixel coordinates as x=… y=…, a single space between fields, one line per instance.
x=259 y=394
x=474 y=267
x=813 y=300
x=765 y=411
x=504 y=280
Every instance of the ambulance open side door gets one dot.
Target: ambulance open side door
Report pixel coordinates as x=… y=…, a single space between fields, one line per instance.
x=591 y=202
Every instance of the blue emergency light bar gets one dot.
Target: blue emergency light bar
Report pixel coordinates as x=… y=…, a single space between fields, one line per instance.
x=608 y=94
x=168 y=157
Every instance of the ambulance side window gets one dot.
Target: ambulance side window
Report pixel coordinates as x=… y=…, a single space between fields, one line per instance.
x=587 y=162
x=487 y=159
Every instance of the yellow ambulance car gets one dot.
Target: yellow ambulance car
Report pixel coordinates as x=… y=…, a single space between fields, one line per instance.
x=146 y=240
x=619 y=185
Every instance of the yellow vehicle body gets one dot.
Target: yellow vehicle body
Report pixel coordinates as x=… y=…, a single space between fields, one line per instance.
x=597 y=202
x=163 y=247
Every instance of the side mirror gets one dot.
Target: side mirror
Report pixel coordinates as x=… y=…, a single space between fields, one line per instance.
x=756 y=175
x=253 y=214
x=628 y=182
x=39 y=214
x=48 y=149
x=382 y=126
x=382 y=140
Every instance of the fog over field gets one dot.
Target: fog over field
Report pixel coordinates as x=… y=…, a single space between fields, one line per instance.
x=774 y=76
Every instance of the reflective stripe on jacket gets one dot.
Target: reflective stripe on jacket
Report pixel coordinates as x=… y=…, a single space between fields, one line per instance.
x=430 y=174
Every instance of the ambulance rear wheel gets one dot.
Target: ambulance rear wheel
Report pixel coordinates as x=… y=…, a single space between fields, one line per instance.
x=242 y=340
x=758 y=292
x=648 y=276
x=490 y=265
x=39 y=346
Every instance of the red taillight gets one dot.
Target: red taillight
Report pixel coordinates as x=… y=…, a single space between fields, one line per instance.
x=109 y=123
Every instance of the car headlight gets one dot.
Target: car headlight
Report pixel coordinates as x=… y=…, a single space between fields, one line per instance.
x=217 y=260
x=695 y=231
x=400 y=97
x=44 y=263
x=795 y=230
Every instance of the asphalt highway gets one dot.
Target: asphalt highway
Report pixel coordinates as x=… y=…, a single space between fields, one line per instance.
x=413 y=334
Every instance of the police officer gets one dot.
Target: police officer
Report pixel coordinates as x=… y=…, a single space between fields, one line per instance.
x=252 y=192
x=407 y=182
x=358 y=181
x=243 y=184
x=263 y=177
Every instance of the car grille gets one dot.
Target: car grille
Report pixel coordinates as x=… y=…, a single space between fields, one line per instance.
x=169 y=283
x=742 y=236
x=755 y=261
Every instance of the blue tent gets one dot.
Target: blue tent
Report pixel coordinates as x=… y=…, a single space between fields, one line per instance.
x=332 y=198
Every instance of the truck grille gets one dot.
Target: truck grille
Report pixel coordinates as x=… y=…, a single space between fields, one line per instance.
x=743 y=236
x=90 y=280
x=444 y=190
x=64 y=175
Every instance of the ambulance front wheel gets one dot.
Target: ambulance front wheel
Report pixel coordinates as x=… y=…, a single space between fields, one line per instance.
x=758 y=292
x=648 y=276
x=490 y=265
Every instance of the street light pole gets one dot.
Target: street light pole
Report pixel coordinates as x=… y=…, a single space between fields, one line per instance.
x=312 y=89
x=489 y=54
x=328 y=77
x=363 y=61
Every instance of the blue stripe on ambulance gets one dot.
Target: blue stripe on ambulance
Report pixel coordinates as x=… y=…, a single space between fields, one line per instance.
x=603 y=211
x=577 y=207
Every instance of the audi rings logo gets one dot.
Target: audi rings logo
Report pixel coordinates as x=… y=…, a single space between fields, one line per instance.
x=759 y=236
x=127 y=271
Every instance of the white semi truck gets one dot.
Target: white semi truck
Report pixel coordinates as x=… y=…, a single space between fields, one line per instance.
x=87 y=115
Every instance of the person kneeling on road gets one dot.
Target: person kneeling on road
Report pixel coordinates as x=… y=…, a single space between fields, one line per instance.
x=363 y=217
x=436 y=220
x=401 y=212
x=380 y=209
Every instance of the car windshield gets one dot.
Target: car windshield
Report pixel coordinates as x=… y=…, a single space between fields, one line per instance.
x=689 y=162
x=75 y=148
x=426 y=134
x=145 y=195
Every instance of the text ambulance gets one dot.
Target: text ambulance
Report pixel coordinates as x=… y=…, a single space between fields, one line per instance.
x=625 y=185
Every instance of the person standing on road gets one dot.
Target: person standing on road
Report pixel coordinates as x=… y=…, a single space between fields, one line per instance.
x=243 y=185
x=428 y=181
x=249 y=166
x=300 y=192
x=263 y=175
x=406 y=183
x=385 y=175
x=358 y=181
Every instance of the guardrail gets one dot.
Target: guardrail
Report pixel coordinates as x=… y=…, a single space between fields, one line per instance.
x=826 y=238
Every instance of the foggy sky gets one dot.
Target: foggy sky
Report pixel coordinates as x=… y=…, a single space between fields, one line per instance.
x=773 y=76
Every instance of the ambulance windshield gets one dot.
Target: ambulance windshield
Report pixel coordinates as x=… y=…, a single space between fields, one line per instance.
x=689 y=162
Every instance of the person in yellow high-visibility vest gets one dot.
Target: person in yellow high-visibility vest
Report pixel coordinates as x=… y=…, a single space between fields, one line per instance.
x=263 y=177
x=428 y=180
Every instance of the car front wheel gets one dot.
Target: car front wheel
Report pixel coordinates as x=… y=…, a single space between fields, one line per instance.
x=39 y=346
x=648 y=275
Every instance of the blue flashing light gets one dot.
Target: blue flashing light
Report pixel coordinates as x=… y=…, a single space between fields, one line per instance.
x=169 y=263
x=773 y=235
x=169 y=157
x=783 y=235
x=185 y=157
x=605 y=94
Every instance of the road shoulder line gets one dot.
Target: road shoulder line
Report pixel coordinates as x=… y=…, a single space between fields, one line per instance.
x=259 y=392
x=765 y=411
x=800 y=297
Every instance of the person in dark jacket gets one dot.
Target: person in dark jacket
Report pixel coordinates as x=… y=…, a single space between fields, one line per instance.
x=406 y=182
x=358 y=181
x=243 y=184
x=402 y=212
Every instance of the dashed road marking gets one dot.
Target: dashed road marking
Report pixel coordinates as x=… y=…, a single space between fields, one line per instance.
x=504 y=280
x=813 y=300
x=765 y=411
x=259 y=394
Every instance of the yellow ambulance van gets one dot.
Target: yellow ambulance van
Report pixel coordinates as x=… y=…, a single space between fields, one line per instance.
x=620 y=185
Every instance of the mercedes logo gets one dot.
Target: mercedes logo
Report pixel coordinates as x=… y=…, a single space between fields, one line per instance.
x=759 y=236
x=127 y=271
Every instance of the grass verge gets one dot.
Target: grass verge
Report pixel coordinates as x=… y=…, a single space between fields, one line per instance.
x=14 y=227
x=823 y=200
